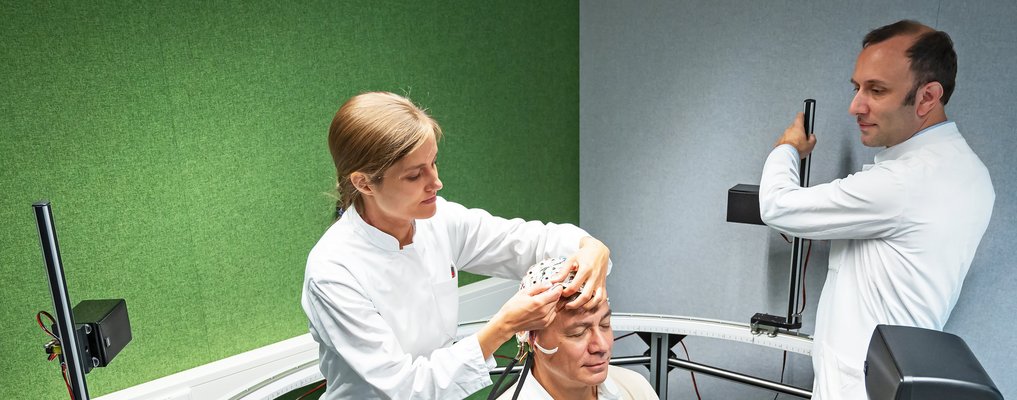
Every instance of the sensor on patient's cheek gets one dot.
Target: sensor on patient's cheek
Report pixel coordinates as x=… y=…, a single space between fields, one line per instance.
x=533 y=340
x=542 y=349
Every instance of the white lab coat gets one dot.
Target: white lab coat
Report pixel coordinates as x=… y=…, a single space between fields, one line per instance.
x=621 y=384
x=385 y=317
x=903 y=232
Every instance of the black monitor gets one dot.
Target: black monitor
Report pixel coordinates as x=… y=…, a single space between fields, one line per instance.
x=908 y=363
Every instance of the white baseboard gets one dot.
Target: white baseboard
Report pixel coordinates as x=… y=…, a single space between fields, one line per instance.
x=267 y=372
x=218 y=379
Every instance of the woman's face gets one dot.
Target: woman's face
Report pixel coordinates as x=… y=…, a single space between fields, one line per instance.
x=408 y=189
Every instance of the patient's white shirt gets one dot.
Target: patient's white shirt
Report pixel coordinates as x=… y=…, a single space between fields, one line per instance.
x=621 y=384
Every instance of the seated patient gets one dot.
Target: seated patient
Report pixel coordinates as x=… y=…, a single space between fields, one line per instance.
x=570 y=356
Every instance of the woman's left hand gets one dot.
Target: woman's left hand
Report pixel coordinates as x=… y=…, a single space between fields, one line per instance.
x=590 y=264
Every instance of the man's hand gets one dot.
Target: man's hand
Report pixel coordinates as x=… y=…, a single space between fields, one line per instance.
x=795 y=136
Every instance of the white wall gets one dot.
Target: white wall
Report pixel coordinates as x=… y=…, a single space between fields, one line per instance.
x=682 y=100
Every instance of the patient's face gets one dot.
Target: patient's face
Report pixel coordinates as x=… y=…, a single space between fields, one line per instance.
x=584 y=340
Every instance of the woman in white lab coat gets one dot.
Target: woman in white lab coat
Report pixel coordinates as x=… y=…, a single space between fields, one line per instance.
x=380 y=289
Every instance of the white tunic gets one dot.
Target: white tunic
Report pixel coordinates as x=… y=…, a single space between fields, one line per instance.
x=385 y=317
x=621 y=384
x=903 y=232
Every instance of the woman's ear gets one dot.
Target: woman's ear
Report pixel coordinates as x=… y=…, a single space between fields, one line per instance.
x=362 y=182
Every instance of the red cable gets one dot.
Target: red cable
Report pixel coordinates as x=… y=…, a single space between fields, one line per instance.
x=63 y=371
x=316 y=388
x=805 y=268
x=38 y=318
x=63 y=366
x=694 y=384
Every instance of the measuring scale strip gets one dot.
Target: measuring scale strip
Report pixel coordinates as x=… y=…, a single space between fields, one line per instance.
x=690 y=326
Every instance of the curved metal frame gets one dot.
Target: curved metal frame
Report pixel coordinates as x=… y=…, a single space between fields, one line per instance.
x=660 y=326
x=690 y=326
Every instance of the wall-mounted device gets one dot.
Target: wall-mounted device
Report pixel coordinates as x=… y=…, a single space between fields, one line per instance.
x=743 y=207
x=106 y=329
x=93 y=332
x=743 y=204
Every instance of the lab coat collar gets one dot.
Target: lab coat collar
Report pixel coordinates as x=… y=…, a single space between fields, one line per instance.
x=374 y=235
x=937 y=133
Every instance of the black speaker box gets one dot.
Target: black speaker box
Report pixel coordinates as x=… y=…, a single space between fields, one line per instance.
x=908 y=363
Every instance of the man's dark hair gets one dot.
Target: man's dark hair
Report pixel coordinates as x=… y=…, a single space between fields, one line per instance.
x=931 y=55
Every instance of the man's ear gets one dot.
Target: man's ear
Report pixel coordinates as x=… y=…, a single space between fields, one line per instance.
x=362 y=182
x=928 y=98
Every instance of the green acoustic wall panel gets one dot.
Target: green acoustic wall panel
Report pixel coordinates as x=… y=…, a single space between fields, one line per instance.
x=183 y=146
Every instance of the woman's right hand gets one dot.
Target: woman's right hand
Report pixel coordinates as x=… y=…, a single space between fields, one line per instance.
x=530 y=309
x=527 y=310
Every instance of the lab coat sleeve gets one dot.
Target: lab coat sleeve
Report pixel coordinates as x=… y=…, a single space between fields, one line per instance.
x=496 y=246
x=348 y=322
x=864 y=205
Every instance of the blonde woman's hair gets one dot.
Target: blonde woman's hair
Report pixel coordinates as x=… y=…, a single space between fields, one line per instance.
x=369 y=133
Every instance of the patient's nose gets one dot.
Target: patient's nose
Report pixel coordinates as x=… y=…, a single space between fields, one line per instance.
x=601 y=341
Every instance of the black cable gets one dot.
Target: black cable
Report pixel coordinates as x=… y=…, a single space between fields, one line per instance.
x=782 y=365
x=38 y=319
x=624 y=336
x=496 y=389
x=509 y=383
x=522 y=375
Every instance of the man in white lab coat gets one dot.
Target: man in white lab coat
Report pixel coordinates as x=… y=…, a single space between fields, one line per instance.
x=904 y=230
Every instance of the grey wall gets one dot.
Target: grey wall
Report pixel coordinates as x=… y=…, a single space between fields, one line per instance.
x=679 y=101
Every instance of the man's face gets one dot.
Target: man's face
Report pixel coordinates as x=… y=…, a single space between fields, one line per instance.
x=882 y=81
x=584 y=340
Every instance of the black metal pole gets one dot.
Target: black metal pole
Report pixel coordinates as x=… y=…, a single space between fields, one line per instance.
x=797 y=249
x=658 y=363
x=701 y=368
x=61 y=302
x=740 y=378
